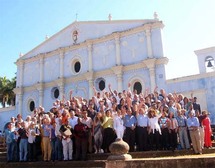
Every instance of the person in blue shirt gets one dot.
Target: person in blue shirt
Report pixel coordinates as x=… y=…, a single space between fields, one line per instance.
x=10 y=142
x=193 y=127
x=142 y=129
x=182 y=130
x=130 y=125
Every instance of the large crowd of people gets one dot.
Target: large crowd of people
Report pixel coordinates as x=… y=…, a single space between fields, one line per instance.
x=72 y=128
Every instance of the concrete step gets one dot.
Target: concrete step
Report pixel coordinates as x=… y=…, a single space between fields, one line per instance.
x=145 y=154
x=63 y=164
x=190 y=161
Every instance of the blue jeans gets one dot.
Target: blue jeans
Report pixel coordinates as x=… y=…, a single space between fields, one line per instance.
x=58 y=149
x=23 y=150
x=183 y=138
x=53 y=142
x=10 y=151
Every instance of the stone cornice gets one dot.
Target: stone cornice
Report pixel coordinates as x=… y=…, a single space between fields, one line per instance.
x=149 y=63
x=39 y=86
x=191 y=77
x=18 y=90
x=117 y=69
x=205 y=51
x=91 y=75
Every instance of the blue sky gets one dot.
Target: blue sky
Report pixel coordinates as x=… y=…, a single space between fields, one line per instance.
x=189 y=26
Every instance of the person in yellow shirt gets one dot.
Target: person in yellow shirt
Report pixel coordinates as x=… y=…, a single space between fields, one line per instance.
x=109 y=135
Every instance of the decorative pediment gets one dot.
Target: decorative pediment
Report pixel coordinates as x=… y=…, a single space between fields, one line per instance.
x=80 y=32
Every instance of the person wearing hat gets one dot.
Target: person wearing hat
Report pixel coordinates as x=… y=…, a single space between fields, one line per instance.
x=193 y=127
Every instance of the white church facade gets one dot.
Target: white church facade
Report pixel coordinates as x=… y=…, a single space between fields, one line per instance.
x=89 y=54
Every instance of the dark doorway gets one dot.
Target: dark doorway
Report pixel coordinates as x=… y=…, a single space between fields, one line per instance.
x=138 y=87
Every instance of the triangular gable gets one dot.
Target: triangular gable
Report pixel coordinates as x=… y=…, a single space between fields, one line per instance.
x=86 y=30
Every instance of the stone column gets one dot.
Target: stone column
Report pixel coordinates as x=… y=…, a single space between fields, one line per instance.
x=117 y=42
x=41 y=68
x=61 y=84
x=61 y=64
x=41 y=94
x=40 y=88
x=19 y=94
x=61 y=91
x=118 y=70
x=149 y=43
x=150 y=64
x=90 y=57
x=21 y=72
x=20 y=99
x=89 y=77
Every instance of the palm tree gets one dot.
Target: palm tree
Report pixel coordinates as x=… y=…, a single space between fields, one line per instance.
x=7 y=96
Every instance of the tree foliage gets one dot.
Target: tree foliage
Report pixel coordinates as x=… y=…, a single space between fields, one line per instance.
x=7 y=96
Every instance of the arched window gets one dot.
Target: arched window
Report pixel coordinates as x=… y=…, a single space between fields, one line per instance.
x=76 y=66
x=55 y=93
x=31 y=105
x=100 y=84
x=138 y=87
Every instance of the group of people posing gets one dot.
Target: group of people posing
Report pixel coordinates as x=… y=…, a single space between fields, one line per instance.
x=72 y=128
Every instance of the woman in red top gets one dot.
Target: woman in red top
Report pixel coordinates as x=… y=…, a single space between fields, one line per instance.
x=207 y=128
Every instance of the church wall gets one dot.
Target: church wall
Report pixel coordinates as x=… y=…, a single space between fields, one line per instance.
x=139 y=75
x=160 y=76
x=18 y=74
x=51 y=68
x=79 y=89
x=103 y=55
x=71 y=57
x=157 y=43
x=48 y=98
x=31 y=73
x=133 y=48
x=202 y=88
x=6 y=114
x=27 y=98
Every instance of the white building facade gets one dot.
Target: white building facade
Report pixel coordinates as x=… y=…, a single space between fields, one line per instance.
x=88 y=54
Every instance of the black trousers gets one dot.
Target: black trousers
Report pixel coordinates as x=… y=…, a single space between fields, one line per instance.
x=129 y=137
x=81 y=149
x=173 y=139
x=142 y=138
x=154 y=140
x=32 y=151
x=165 y=139
x=109 y=137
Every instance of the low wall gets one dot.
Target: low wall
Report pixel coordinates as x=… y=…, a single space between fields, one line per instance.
x=6 y=114
x=208 y=162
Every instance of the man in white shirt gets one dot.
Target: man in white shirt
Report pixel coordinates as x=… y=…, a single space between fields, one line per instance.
x=73 y=120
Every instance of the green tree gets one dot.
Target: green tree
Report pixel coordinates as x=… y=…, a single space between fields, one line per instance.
x=7 y=96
